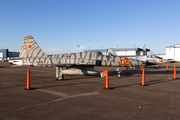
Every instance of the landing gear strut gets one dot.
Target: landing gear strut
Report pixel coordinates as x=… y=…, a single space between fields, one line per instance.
x=118 y=73
x=59 y=75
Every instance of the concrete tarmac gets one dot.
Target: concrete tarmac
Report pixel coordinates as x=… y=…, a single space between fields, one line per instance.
x=82 y=97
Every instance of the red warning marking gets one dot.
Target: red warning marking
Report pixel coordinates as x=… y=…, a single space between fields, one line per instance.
x=103 y=74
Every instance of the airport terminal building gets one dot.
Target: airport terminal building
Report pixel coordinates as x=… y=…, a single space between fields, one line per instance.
x=5 y=53
x=124 y=51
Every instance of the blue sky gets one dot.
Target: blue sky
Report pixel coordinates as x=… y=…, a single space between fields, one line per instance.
x=58 y=26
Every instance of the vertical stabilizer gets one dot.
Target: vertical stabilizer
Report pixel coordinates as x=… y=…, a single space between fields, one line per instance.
x=30 y=48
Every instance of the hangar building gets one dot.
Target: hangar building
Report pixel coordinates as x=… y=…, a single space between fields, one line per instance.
x=172 y=52
x=124 y=51
x=5 y=53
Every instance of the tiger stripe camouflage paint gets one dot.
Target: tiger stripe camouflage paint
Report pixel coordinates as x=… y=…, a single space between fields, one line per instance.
x=75 y=63
x=32 y=54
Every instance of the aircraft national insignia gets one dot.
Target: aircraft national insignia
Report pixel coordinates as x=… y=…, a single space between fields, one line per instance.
x=29 y=46
x=82 y=61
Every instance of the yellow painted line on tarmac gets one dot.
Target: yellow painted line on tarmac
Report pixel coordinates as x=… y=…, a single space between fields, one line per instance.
x=173 y=78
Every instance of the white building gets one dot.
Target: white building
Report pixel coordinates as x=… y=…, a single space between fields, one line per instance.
x=5 y=53
x=124 y=51
x=130 y=51
x=173 y=52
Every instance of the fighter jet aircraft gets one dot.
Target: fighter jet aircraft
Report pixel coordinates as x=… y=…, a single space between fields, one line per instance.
x=70 y=63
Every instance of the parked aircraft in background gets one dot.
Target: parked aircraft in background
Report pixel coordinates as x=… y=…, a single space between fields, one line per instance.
x=11 y=59
x=70 y=63
x=149 y=59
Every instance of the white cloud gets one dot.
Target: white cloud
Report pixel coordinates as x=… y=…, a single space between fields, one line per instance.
x=52 y=50
x=83 y=47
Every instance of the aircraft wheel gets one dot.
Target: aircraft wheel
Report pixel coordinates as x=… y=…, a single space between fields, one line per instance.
x=60 y=77
x=119 y=75
x=156 y=67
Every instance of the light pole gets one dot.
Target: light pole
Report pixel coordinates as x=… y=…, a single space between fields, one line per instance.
x=134 y=45
x=78 y=47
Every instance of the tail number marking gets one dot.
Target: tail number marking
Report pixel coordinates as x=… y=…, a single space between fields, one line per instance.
x=125 y=62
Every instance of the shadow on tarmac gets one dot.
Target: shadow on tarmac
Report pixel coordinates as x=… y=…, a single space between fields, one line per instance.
x=66 y=84
x=146 y=83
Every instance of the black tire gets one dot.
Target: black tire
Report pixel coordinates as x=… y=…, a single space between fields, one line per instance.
x=60 y=77
x=119 y=76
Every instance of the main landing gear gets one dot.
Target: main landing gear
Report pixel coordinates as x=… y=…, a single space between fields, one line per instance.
x=118 y=73
x=59 y=75
x=156 y=67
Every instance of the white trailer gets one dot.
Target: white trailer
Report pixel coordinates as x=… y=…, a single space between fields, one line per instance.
x=173 y=52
